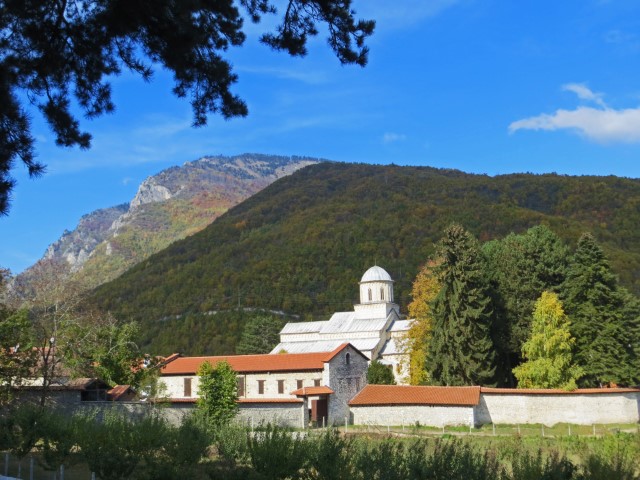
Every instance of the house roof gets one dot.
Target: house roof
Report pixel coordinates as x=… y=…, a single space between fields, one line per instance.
x=286 y=362
x=119 y=391
x=361 y=344
x=78 y=384
x=556 y=391
x=416 y=395
x=304 y=391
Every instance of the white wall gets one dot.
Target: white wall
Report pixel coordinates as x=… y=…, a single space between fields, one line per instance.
x=549 y=409
x=175 y=384
x=434 y=416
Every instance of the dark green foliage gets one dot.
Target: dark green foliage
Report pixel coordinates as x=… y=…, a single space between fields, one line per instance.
x=521 y=267
x=58 y=435
x=381 y=460
x=15 y=366
x=330 y=457
x=260 y=334
x=380 y=374
x=277 y=454
x=461 y=351
x=528 y=466
x=64 y=53
x=600 y=324
x=614 y=460
x=302 y=244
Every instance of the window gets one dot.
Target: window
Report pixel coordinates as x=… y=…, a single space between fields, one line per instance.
x=316 y=383
x=280 y=386
x=187 y=387
x=347 y=358
x=240 y=386
x=381 y=293
x=370 y=295
x=298 y=384
x=260 y=387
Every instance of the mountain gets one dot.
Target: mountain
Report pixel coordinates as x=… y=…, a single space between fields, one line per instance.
x=168 y=206
x=301 y=244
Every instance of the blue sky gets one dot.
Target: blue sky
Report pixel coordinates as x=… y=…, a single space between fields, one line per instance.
x=484 y=86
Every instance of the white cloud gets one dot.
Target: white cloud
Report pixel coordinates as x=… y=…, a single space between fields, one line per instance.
x=584 y=93
x=390 y=137
x=601 y=124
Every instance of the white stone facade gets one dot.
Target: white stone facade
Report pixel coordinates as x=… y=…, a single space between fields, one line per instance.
x=375 y=327
x=549 y=409
x=428 y=415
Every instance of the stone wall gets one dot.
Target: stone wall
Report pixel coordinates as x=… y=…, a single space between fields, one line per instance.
x=284 y=414
x=549 y=409
x=345 y=379
x=434 y=416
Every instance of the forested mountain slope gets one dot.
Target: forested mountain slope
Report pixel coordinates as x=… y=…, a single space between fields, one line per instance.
x=301 y=244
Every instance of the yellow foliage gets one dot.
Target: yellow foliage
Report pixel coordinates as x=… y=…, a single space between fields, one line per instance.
x=424 y=290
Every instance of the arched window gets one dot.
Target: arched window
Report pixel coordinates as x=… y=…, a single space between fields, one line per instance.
x=347 y=358
x=381 y=293
x=370 y=295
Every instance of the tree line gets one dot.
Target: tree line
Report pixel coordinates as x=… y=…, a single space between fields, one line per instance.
x=522 y=310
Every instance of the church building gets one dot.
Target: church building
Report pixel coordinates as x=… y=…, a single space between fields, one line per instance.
x=375 y=327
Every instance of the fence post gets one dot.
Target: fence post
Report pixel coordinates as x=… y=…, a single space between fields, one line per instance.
x=93 y=475
x=569 y=429
x=346 y=425
x=543 y=430
x=62 y=472
x=30 y=468
x=6 y=464
x=494 y=429
x=594 y=429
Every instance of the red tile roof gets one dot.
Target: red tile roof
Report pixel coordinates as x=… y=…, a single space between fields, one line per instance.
x=554 y=391
x=304 y=391
x=413 y=395
x=118 y=391
x=285 y=362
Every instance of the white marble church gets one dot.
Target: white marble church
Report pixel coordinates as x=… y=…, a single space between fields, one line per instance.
x=374 y=327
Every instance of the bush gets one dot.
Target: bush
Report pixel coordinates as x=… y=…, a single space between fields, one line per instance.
x=277 y=453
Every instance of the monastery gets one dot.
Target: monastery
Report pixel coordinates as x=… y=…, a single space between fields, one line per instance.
x=374 y=327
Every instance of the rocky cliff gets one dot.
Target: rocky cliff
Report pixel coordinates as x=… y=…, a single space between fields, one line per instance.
x=168 y=206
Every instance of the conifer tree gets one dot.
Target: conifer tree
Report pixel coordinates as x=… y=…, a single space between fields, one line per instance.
x=424 y=291
x=548 y=351
x=604 y=334
x=520 y=268
x=461 y=351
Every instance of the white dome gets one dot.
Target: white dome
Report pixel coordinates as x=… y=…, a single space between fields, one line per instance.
x=376 y=274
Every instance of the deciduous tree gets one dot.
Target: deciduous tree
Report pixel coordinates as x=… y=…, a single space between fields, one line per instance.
x=380 y=374
x=461 y=351
x=548 y=352
x=424 y=291
x=217 y=392
x=55 y=53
